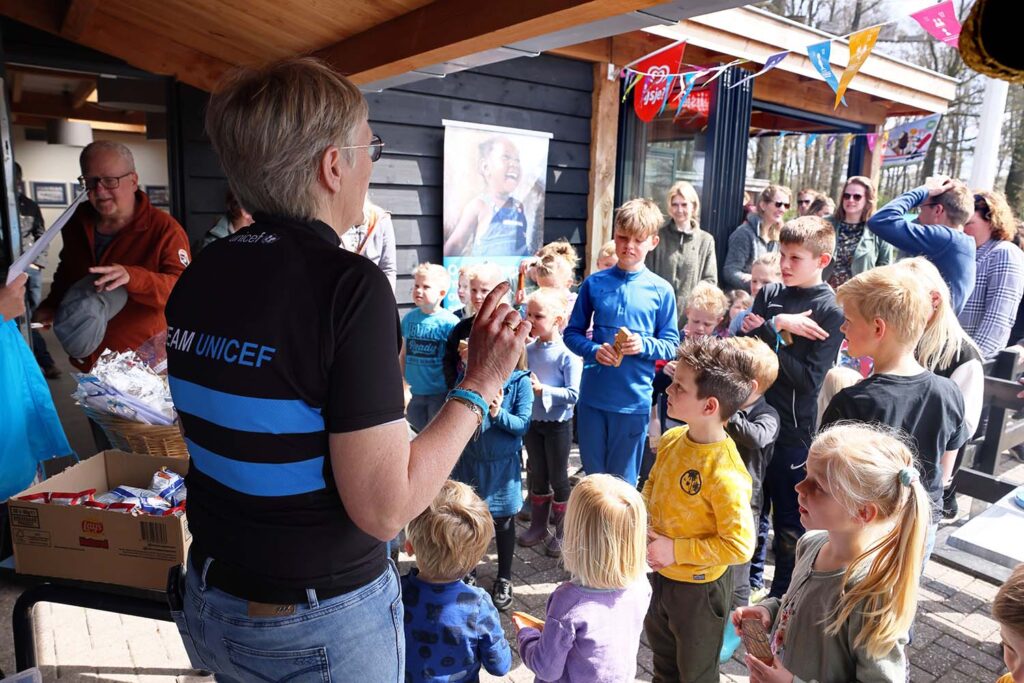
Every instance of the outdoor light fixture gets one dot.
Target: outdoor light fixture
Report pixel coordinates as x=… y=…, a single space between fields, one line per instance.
x=72 y=133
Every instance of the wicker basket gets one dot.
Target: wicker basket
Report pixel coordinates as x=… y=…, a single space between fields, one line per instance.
x=135 y=437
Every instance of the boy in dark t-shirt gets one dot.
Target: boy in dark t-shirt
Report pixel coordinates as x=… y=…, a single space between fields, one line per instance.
x=800 y=320
x=886 y=310
x=754 y=428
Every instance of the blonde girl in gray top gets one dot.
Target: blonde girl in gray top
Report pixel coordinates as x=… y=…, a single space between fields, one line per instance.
x=854 y=590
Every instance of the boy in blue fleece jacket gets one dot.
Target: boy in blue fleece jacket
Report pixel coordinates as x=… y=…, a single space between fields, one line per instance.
x=937 y=234
x=615 y=393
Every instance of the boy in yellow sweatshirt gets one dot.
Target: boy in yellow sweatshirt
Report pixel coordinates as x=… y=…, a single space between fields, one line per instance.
x=698 y=503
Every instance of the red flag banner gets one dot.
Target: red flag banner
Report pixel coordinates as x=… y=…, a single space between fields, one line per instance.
x=654 y=86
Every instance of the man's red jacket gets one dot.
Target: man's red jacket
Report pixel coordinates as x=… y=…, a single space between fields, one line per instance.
x=154 y=250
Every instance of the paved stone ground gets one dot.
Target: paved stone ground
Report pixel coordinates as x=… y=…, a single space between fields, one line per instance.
x=955 y=637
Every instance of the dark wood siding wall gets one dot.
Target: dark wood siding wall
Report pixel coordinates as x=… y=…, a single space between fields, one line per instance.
x=198 y=186
x=542 y=93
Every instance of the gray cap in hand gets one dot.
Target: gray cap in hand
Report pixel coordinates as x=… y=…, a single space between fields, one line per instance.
x=82 y=317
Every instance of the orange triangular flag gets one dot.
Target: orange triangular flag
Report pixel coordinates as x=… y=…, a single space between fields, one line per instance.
x=861 y=44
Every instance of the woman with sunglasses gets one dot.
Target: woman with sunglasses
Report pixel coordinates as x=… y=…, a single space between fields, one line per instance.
x=857 y=248
x=990 y=311
x=757 y=235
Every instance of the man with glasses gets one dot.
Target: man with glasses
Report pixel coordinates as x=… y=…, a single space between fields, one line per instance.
x=119 y=240
x=944 y=205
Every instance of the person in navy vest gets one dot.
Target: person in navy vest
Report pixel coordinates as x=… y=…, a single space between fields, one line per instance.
x=283 y=365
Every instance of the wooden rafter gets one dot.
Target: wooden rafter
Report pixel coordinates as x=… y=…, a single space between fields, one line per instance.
x=82 y=92
x=118 y=37
x=17 y=83
x=77 y=18
x=449 y=29
x=59 y=107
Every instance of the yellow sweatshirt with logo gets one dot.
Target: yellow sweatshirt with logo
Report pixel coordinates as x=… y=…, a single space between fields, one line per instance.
x=699 y=496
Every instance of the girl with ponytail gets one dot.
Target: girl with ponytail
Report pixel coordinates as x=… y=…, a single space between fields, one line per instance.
x=854 y=590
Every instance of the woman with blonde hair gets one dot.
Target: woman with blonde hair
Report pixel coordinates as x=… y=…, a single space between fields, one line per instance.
x=857 y=248
x=685 y=253
x=991 y=310
x=592 y=628
x=947 y=350
x=758 y=234
x=848 y=611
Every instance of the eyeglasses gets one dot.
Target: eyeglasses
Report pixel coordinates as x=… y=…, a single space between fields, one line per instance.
x=855 y=197
x=109 y=182
x=803 y=201
x=781 y=205
x=376 y=147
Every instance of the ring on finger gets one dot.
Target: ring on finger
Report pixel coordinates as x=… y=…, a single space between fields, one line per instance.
x=510 y=325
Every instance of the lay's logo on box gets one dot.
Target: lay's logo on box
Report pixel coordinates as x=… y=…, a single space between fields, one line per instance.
x=91 y=526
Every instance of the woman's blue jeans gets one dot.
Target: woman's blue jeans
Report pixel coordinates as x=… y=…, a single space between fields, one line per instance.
x=356 y=636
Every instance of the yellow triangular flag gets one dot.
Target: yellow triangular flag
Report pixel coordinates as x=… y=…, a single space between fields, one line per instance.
x=861 y=44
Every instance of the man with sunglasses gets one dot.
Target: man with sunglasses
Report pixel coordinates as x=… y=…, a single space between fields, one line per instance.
x=804 y=199
x=944 y=205
x=121 y=241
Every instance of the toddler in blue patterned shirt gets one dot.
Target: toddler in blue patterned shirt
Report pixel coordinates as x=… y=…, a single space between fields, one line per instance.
x=451 y=629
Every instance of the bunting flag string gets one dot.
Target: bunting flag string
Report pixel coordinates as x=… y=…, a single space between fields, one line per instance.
x=657 y=73
x=668 y=87
x=769 y=64
x=684 y=95
x=910 y=140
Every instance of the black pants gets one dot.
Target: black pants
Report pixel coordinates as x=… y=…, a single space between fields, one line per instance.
x=547 y=451
x=505 y=539
x=685 y=625
x=781 y=477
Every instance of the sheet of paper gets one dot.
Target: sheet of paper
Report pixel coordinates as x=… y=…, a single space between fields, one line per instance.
x=29 y=257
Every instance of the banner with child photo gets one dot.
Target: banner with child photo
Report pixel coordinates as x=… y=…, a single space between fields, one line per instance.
x=494 y=184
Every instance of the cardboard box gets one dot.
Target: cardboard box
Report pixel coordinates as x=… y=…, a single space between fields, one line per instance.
x=75 y=542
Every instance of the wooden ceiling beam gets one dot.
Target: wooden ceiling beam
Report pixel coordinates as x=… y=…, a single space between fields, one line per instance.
x=82 y=92
x=77 y=18
x=118 y=37
x=17 y=82
x=449 y=29
x=58 y=107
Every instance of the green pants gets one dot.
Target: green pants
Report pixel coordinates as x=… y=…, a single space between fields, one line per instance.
x=685 y=625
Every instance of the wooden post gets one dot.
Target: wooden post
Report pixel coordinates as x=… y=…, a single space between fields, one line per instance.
x=872 y=167
x=604 y=126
